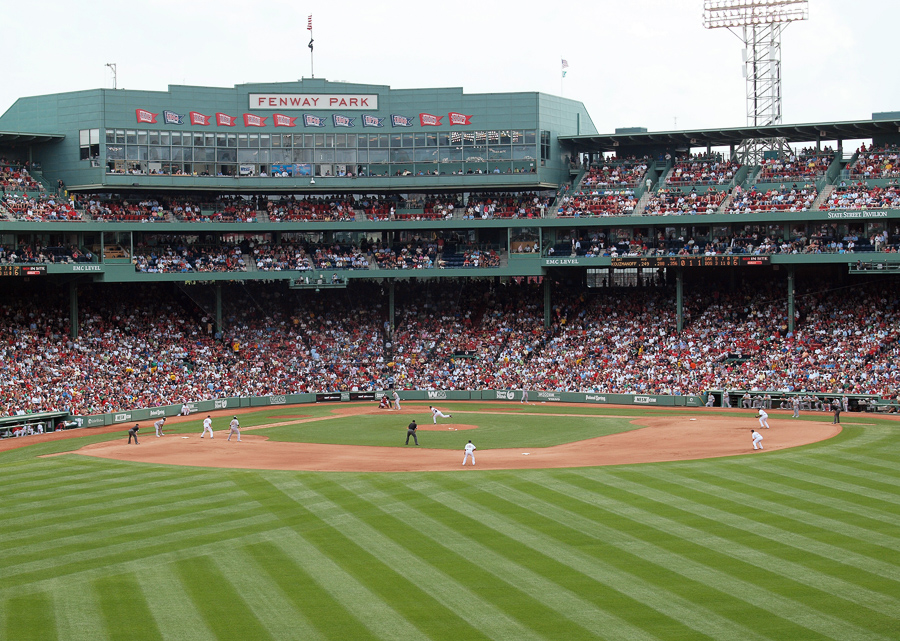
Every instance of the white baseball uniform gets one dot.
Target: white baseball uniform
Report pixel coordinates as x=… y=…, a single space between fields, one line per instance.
x=470 y=451
x=207 y=427
x=159 y=426
x=757 y=440
x=435 y=412
x=235 y=429
x=763 y=419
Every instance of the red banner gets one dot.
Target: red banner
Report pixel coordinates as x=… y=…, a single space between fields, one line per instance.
x=224 y=120
x=280 y=120
x=145 y=116
x=429 y=120
x=199 y=119
x=459 y=119
x=252 y=120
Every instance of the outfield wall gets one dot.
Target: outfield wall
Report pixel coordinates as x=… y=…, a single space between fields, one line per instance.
x=139 y=415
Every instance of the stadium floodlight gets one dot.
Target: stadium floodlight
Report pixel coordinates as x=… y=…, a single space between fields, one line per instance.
x=758 y=24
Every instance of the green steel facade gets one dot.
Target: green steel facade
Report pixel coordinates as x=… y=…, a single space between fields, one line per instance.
x=344 y=136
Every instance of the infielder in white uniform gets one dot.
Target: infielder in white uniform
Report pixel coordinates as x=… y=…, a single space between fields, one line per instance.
x=470 y=451
x=159 y=426
x=235 y=429
x=757 y=439
x=207 y=427
x=435 y=412
x=763 y=418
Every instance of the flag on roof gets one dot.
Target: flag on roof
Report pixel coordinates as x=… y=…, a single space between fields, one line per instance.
x=565 y=64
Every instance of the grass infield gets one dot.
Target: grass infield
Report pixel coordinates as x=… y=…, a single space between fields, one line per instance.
x=795 y=544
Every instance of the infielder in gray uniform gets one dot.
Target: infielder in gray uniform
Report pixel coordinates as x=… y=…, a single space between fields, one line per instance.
x=235 y=429
x=159 y=426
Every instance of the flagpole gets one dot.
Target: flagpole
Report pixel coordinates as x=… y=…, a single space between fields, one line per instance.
x=312 y=69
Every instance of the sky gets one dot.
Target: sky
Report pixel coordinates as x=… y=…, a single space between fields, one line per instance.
x=633 y=63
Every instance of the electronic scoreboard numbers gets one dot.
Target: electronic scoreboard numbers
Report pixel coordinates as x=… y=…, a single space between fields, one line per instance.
x=690 y=261
x=23 y=270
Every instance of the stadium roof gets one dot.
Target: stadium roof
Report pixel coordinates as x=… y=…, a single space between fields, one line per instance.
x=12 y=137
x=850 y=130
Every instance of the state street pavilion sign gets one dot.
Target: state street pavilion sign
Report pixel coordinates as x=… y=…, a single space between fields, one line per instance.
x=314 y=101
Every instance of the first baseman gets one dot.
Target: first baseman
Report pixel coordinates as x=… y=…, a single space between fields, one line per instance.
x=207 y=427
x=235 y=429
x=763 y=418
x=470 y=451
x=159 y=426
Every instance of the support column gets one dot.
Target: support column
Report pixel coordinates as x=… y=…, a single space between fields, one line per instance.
x=547 y=311
x=219 y=327
x=679 y=302
x=73 y=310
x=391 y=304
x=790 y=286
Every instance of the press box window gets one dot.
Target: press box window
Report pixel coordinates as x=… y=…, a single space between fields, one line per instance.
x=89 y=143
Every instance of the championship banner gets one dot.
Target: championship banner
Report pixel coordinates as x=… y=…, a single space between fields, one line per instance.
x=310 y=120
x=280 y=120
x=459 y=119
x=372 y=121
x=342 y=121
x=224 y=120
x=252 y=120
x=429 y=120
x=172 y=118
x=401 y=121
x=198 y=118
x=145 y=116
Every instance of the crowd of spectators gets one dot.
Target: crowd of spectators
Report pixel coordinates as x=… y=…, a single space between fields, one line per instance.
x=793 y=198
x=420 y=255
x=702 y=169
x=44 y=208
x=184 y=258
x=14 y=177
x=25 y=252
x=148 y=346
x=807 y=165
x=860 y=195
x=614 y=174
x=675 y=201
x=610 y=202
x=318 y=208
x=876 y=162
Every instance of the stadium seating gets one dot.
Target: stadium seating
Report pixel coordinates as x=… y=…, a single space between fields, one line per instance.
x=140 y=347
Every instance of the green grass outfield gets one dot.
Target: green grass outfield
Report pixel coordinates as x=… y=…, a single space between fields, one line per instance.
x=788 y=545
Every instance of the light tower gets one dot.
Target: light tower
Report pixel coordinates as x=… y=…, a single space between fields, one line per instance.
x=758 y=24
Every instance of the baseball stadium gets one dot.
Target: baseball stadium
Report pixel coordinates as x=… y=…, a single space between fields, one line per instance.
x=247 y=333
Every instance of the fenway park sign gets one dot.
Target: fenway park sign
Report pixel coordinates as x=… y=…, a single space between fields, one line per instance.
x=313 y=101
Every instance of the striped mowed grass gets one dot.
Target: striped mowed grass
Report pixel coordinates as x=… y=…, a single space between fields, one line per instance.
x=795 y=544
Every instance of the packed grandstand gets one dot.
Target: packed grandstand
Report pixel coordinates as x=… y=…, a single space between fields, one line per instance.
x=144 y=263
x=157 y=345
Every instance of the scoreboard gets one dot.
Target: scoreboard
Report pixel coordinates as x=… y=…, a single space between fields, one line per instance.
x=23 y=270
x=690 y=261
